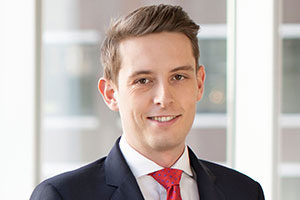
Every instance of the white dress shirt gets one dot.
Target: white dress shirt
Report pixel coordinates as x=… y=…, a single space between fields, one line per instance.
x=150 y=188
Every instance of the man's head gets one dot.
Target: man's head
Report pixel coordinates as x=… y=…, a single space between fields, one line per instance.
x=156 y=83
x=143 y=21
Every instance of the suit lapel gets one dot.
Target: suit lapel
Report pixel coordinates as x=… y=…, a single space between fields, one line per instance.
x=207 y=188
x=118 y=175
x=128 y=190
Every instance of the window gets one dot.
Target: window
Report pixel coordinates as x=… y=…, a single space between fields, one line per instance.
x=290 y=124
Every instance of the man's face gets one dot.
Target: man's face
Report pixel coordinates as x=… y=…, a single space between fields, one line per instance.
x=158 y=89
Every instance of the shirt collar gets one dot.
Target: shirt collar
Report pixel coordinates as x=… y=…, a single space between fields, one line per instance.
x=140 y=165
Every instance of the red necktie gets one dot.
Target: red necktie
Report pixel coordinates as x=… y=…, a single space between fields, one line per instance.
x=169 y=179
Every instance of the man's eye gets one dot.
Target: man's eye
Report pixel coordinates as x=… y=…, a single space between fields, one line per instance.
x=178 y=77
x=143 y=81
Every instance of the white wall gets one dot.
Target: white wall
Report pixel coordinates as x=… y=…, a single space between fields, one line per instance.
x=17 y=99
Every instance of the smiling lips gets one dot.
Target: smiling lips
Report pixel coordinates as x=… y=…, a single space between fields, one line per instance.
x=163 y=118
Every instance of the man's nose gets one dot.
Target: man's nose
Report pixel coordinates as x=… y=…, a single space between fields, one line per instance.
x=163 y=95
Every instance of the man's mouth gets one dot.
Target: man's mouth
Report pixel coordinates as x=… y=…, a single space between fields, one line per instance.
x=163 y=118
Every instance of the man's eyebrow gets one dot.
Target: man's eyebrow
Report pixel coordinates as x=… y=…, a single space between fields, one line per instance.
x=141 y=72
x=184 y=68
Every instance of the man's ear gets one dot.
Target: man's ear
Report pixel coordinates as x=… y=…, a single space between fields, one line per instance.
x=200 y=81
x=108 y=90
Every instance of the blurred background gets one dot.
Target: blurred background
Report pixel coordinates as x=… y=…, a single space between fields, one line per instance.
x=68 y=125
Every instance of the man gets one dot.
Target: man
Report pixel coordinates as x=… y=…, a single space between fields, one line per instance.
x=152 y=77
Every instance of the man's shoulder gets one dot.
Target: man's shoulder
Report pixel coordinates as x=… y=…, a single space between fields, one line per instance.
x=85 y=172
x=230 y=180
x=72 y=183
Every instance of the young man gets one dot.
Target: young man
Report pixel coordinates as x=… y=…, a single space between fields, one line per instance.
x=153 y=79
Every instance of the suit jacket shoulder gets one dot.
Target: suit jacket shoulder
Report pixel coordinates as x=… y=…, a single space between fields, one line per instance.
x=83 y=183
x=220 y=182
x=234 y=182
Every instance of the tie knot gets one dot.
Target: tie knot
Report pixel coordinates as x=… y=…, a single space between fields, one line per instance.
x=167 y=177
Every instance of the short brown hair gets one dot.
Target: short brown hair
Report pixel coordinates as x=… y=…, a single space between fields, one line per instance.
x=143 y=21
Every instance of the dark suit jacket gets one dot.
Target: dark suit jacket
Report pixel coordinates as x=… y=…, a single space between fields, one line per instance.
x=111 y=178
